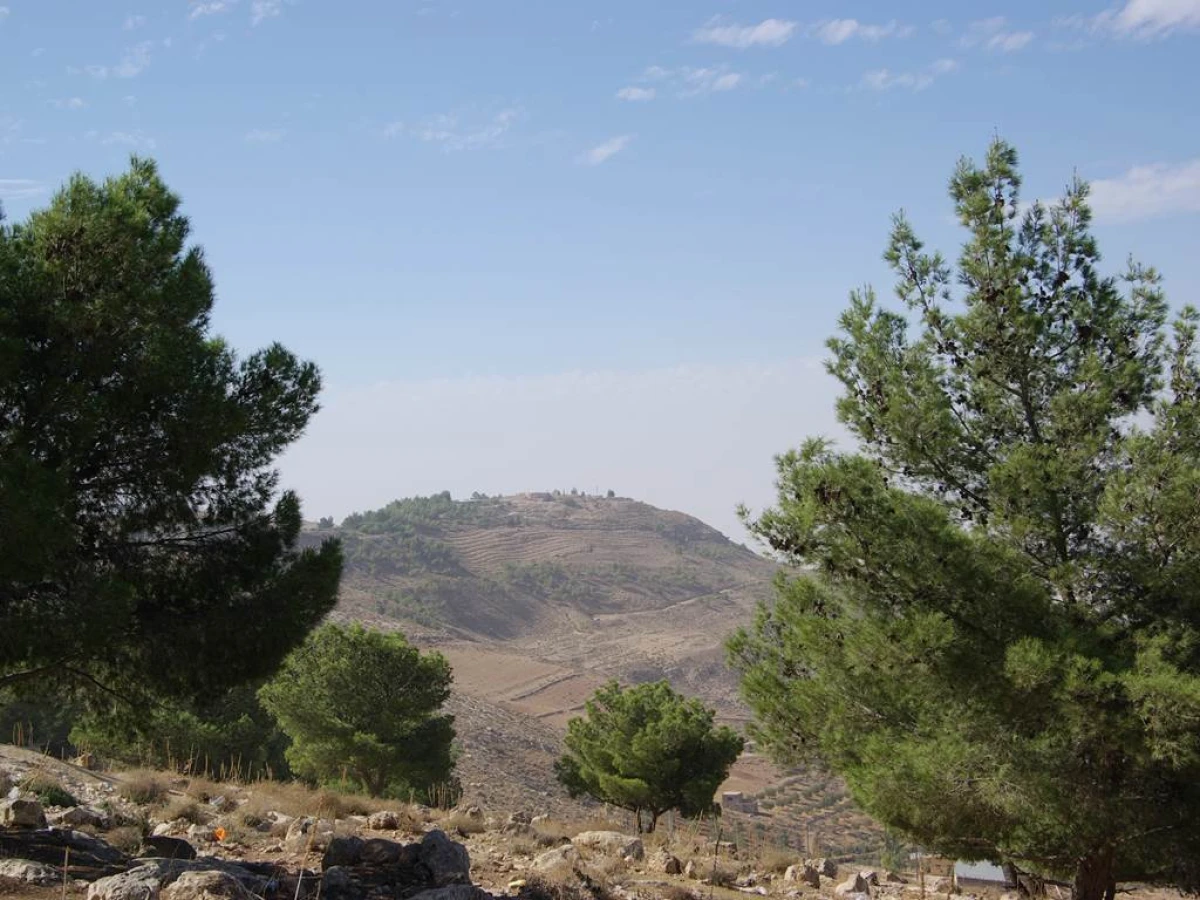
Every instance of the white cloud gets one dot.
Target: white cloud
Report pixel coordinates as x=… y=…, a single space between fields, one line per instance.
x=886 y=80
x=135 y=61
x=993 y=34
x=4 y=13
x=768 y=33
x=138 y=140
x=635 y=93
x=838 y=31
x=210 y=7
x=19 y=188
x=261 y=10
x=601 y=153
x=132 y=22
x=451 y=133
x=69 y=103
x=1149 y=19
x=689 y=81
x=1145 y=192
x=715 y=425
x=264 y=136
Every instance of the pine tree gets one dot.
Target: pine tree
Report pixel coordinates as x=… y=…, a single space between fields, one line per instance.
x=997 y=638
x=144 y=547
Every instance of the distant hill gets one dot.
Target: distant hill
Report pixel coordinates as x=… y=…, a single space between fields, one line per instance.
x=537 y=599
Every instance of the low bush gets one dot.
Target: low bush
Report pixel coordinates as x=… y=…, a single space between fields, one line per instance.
x=144 y=788
x=48 y=789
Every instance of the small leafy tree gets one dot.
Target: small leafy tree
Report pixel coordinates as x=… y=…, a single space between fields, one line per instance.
x=647 y=749
x=365 y=704
x=997 y=641
x=144 y=547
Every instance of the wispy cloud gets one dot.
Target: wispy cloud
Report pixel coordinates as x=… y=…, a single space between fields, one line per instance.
x=1142 y=20
x=1146 y=192
x=132 y=22
x=138 y=140
x=636 y=93
x=261 y=10
x=602 y=153
x=135 y=61
x=886 y=80
x=202 y=8
x=264 y=136
x=452 y=133
x=69 y=103
x=689 y=81
x=995 y=35
x=19 y=188
x=4 y=13
x=768 y=33
x=838 y=31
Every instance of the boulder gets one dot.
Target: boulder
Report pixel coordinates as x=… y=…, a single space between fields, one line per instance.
x=211 y=885
x=164 y=847
x=447 y=861
x=520 y=818
x=855 y=884
x=90 y=856
x=870 y=876
x=29 y=871
x=690 y=871
x=672 y=866
x=147 y=881
x=22 y=813
x=78 y=816
x=342 y=851
x=552 y=859
x=203 y=833
x=611 y=843
x=891 y=877
x=141 y=883
x=826 y=867
x=306 y=834
x=387 y=820
x=804 y=873
x=378 y=852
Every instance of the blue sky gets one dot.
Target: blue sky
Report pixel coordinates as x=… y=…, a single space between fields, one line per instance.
x=592 y=244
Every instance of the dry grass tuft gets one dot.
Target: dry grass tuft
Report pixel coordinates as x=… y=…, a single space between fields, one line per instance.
x=723 y=876
x=777 y=859
x=127 y=839
x=676 y=892
x=464 y=824
x=187 y=809
x=144 y=788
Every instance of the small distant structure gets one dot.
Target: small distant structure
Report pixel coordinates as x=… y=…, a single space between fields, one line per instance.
x=736 y=801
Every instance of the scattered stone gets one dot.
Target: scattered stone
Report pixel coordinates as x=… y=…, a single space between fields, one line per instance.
x=516 y=884
x=474 y=813
x=805 y=873
x=203 y=833
x=78 y=816
x=689 y=870
x=169 y=847
x=306 y=833
x=855 y=884
x=552 y=859
x=891 y=877
x=870 y=876
x=539 y=820
x=454 y=892
x=223 y=804
x=205 y=886
x=86 y=761
x=29 y=871
x=612 y=843
x=825 y=866
x=672 y=866
x=384 y=821
x=161 y=828
x=22 y=813
x=520 y=818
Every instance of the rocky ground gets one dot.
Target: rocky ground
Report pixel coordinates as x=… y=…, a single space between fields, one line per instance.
x=67 y=831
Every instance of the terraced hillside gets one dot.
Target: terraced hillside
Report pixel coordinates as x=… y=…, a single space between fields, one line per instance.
x=538 y=599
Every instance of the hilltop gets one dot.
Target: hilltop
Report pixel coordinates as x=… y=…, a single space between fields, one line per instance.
x=537 y=599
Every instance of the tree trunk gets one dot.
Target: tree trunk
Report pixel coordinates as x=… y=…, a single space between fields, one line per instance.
x=1094 y=877
x=653 y=823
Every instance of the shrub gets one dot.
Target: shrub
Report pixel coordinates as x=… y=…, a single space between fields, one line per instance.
x=48 y=789
x=143 y=788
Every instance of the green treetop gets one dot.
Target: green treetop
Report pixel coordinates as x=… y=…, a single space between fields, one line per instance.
x=997 y=642
x=647 y=749
x=142 y=541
